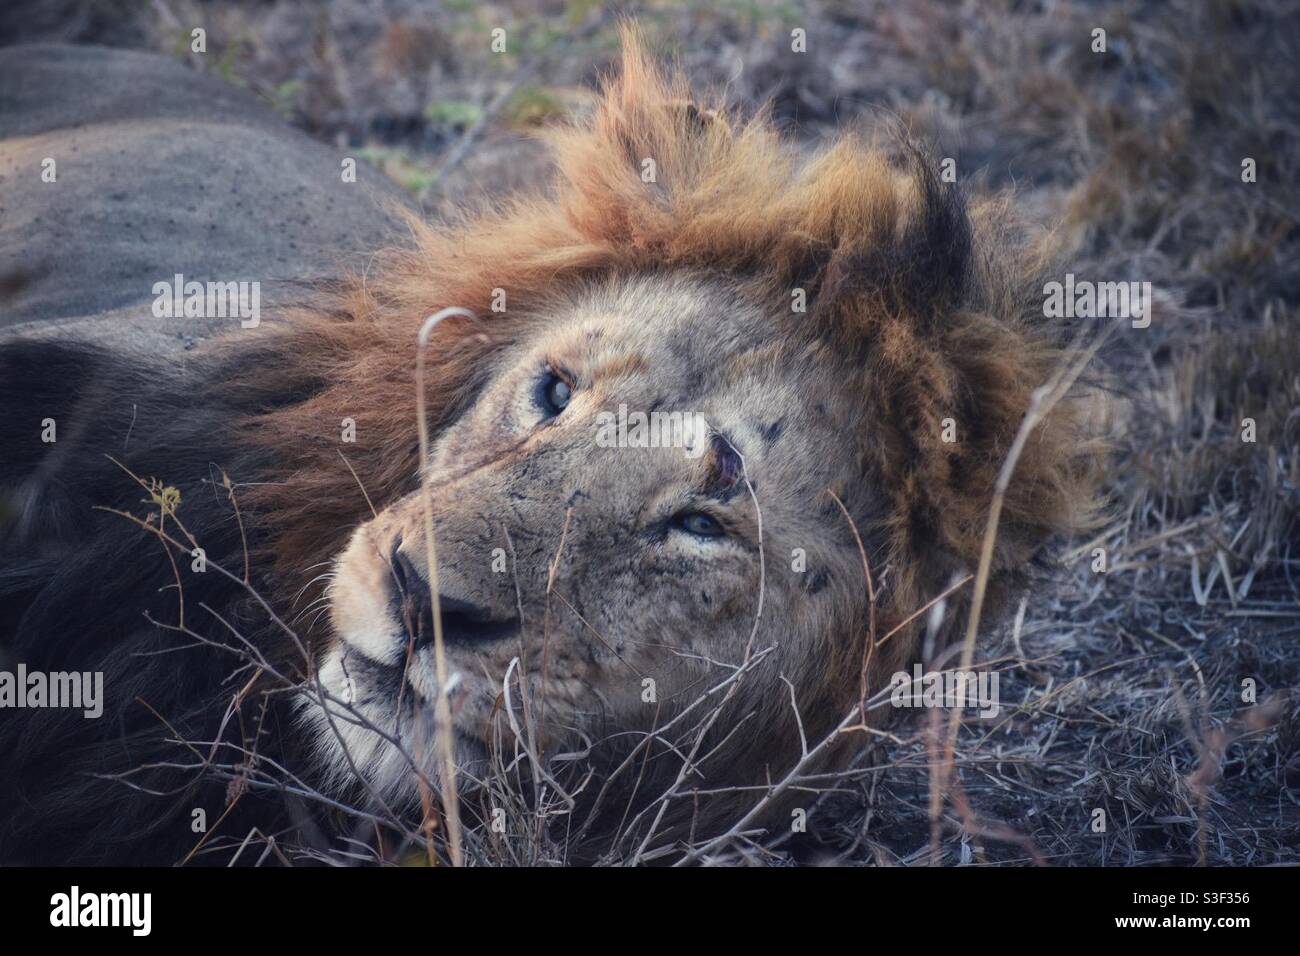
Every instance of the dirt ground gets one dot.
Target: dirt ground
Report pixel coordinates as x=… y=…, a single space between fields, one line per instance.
x=1149 y=712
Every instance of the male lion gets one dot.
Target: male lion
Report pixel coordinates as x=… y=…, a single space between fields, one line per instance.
x=638 y=639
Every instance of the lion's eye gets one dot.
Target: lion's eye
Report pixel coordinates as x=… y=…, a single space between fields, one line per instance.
x=699 y=524
x=553 y=394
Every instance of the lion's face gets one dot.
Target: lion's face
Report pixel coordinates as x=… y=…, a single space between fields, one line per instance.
x=601 y=566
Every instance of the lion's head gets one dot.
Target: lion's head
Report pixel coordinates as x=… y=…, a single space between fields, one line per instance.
x=861 y=345
x=625 y=578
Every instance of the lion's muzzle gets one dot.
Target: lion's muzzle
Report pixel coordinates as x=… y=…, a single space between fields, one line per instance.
x=463 y=622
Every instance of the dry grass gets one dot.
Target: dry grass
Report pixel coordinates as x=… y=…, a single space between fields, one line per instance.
x=1122 y=692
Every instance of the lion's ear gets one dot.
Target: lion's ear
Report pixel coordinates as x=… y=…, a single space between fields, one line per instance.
x=909 y=259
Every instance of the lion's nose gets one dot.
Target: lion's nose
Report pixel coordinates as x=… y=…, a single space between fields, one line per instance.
x=463 y=622
x=407 y=579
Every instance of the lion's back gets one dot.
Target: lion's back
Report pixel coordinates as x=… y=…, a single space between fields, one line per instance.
x=159 y=170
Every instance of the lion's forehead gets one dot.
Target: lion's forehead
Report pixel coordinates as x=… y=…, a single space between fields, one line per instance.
x=686 y=342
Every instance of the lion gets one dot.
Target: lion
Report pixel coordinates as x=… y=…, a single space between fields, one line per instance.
x=641 y=640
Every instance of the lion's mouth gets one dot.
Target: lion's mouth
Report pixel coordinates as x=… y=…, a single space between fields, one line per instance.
x=463 y=623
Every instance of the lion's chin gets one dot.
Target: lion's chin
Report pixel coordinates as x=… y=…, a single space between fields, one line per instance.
x=373 y=721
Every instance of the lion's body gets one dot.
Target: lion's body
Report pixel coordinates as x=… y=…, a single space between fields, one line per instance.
x=572 y=571
x=159 y=170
